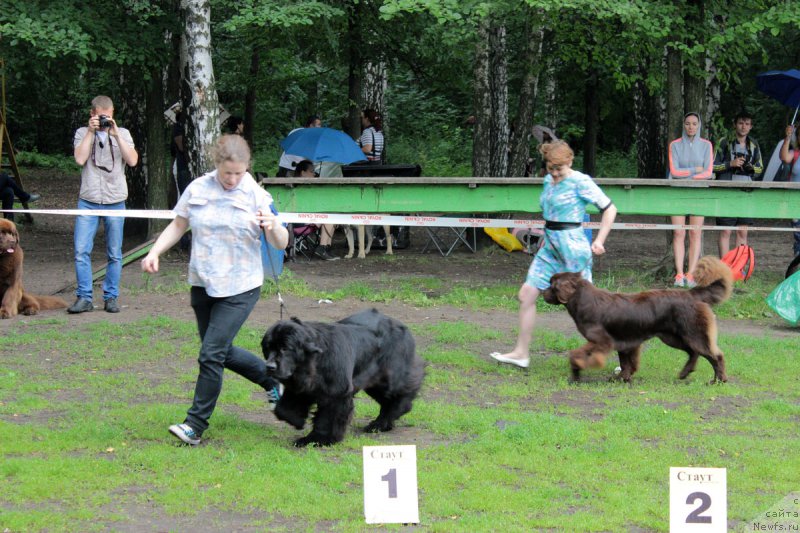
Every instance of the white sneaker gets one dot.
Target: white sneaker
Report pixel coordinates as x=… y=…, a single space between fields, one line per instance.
x=185 y=433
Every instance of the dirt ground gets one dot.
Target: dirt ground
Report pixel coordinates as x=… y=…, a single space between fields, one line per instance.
x=49 y=269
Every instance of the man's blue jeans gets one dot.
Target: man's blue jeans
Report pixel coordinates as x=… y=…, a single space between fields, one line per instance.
x=85 y=230
x=218 y=322
x=796 y=225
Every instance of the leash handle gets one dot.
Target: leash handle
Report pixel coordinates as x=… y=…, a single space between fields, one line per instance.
x=281 y=304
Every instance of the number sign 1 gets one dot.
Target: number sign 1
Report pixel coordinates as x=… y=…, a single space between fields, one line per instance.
x=390 y=485
x=698 y=500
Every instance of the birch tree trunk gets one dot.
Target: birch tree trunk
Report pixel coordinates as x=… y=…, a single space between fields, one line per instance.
x=490 y=146
x=374 y=83
x=591 y=122
x=481 y=145
x=650 y=147
x=550 y=115
x=129 y=112
x=521 y=132
x=198 y=89
x=250 y=97
x=694 y=98
x=674 y=95
x=694 y=79
x=498 y=84
x=155 y=155
x=712 y=98
x=354 y=68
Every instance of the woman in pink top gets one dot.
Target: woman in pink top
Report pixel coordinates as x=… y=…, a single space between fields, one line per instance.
x=690 y=157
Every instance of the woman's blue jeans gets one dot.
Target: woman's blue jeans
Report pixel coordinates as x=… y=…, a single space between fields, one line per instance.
x=85 y=230
x=218 y=322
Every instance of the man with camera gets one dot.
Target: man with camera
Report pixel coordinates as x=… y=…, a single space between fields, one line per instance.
x=738 y=158
x=102 y=149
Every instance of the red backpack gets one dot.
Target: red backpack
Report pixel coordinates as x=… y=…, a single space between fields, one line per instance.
x=741 y=261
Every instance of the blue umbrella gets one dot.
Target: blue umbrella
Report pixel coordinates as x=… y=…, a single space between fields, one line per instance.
x=782 y=85
x=323 y=144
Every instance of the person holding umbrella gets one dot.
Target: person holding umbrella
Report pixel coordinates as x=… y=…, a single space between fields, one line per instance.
x=789 y=155
x=784 y=86
x=289 y=160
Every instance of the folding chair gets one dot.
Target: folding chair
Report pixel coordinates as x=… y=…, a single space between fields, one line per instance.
x=303 y=240
x=448 y=238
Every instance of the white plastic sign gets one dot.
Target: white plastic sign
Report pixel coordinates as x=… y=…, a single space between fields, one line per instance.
x=698 y=500
x=390 y=485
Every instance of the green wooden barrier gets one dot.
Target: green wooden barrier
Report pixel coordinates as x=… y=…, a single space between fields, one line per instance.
x=521 y=195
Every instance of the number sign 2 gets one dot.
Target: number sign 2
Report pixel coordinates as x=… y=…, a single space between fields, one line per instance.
x=698 y=500
x=390 y=485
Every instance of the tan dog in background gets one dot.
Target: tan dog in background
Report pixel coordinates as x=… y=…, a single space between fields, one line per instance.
x=13 y=298
x=363 y=251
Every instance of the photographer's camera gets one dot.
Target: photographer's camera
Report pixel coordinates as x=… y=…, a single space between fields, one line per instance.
x=104 y=121
x=747 y=166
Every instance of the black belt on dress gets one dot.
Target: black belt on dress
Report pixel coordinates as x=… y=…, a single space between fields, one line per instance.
x=560 y=226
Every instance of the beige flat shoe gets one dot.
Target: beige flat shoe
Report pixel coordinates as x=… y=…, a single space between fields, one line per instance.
x=522 y=363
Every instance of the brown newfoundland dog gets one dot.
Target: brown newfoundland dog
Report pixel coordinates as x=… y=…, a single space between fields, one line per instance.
x=13 y=297
x=622 y=322
x=326 y=364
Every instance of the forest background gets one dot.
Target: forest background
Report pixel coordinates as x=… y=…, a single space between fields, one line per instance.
x=460 y=84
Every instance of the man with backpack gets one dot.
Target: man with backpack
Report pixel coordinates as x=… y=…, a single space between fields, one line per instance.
x=738 y=158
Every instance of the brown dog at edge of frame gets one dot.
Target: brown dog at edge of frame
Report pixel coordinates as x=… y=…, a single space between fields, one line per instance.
x=13 y=298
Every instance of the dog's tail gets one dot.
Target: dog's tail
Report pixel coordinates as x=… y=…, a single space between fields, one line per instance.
x=714 y=281
x=49 y=302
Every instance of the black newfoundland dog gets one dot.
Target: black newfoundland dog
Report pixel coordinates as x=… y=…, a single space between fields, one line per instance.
x=328 y=363
x=622 y=322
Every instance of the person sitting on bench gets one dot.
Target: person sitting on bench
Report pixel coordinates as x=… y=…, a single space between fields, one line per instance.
x=8 y=190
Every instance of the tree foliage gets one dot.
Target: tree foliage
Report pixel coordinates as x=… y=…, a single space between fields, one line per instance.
x=59 y=54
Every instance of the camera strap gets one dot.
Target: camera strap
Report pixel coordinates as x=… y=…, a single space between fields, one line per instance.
x=110 y=148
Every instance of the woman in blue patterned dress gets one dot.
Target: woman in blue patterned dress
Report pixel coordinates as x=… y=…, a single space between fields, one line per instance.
x=564 y=198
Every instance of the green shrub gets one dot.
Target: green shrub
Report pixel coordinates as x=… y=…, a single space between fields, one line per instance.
x=57 y=162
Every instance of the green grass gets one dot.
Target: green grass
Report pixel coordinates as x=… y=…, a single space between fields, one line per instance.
x=84 y=411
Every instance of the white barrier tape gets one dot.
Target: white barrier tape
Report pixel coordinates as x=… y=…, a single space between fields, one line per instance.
x=390 y=220
x=124 y=213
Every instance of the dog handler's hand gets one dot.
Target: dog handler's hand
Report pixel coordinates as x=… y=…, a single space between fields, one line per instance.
x=598 y=248
x=150 y=264
x=265 y=220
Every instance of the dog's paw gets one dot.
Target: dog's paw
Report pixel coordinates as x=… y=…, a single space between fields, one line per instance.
x=362 y=255
x=310 y=440
x=378 y=426
x=4 y=313
x=349 y=255
x=293 y=420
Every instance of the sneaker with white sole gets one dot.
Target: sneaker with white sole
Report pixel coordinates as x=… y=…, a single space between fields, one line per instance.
x=273 y=395
x=185 y=433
